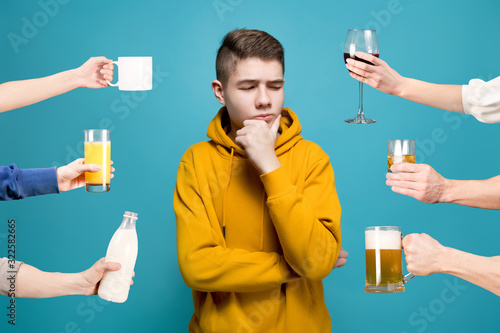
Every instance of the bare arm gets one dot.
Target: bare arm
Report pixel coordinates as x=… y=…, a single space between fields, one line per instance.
x=426 y=256
x=34 y=283
x=423 y=183
x=382 y=77
x=479 y=270
x=474 y=193
x=441 y=96
x=92 y=74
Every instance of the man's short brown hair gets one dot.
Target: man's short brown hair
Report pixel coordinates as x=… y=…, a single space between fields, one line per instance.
x=245 y=43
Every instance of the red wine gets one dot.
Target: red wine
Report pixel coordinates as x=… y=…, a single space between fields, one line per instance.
x=347 y=56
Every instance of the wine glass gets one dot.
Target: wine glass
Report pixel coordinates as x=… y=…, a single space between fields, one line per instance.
x=364 y=41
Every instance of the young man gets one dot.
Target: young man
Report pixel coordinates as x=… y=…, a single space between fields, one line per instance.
x=258 y=217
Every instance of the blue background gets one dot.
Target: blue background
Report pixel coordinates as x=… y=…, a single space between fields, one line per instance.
x=439 y=41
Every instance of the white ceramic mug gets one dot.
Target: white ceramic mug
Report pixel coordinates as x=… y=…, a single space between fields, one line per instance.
x=134 y=73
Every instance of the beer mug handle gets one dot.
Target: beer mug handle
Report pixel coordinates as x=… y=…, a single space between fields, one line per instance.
x=408 y=276
x=113 y=84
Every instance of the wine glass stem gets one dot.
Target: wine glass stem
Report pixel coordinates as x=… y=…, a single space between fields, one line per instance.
x=360 y=110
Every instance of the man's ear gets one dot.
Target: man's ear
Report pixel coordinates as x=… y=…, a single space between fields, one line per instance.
x=218 y=91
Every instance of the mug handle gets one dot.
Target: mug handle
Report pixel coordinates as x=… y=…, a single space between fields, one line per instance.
x=117 y=82
x=408 y=276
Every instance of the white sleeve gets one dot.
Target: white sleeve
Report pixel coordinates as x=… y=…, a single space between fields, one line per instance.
x=8 y=274
x=482 y=100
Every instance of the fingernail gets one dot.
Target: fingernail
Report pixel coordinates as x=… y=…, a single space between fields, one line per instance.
x=97 y=167
x=349 y=60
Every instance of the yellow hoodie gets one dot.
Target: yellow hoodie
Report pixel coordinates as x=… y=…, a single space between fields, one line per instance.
x=254 y=248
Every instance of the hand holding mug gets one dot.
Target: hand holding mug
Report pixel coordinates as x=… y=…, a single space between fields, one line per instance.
x=424 y=254
x=95 y=73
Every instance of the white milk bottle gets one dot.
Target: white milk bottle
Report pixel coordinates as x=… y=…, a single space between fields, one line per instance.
x=115 y=285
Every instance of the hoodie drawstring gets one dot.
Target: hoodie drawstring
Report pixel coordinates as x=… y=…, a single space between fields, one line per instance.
x=229 y=171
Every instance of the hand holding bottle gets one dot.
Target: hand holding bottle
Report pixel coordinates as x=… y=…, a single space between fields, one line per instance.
x=123 y=249
x=92 y=276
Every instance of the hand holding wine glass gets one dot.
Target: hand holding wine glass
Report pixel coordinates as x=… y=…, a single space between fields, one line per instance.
x=378 y=74
x=364 y=41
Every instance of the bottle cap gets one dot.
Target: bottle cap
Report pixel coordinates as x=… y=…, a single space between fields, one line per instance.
x=130 y=215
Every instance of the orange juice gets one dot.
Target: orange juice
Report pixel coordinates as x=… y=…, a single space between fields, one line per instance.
x=98 y=153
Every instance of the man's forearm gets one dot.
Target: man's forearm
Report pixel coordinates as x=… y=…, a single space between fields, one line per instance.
x=473 y=193
x=441 y=96
x=34 y=283
x=481 y=271
x=17 y=94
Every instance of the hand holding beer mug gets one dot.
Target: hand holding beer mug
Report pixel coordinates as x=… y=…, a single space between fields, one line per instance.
x=98 y=151
x=401 y=151
x=384 y=260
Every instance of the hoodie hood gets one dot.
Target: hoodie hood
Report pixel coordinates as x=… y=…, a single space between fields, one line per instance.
x=289 y=128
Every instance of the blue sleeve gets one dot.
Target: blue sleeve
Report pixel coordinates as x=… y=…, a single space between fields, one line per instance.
x=18 y=183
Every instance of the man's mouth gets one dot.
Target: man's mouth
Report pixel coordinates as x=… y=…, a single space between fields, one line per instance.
x=264 y=117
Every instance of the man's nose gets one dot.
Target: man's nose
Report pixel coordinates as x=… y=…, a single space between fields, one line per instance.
x=263 y=98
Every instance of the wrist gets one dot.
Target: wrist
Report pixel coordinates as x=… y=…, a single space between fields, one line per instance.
x=65 y=284
x=269 y=166
x=59 y=179
x=447 y=260
x=74 y=283
x=75 y=78
x=80 y=284
x=403 y=88
x=447 y=193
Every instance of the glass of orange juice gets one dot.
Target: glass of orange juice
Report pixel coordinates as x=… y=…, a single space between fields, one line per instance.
x=98 y=151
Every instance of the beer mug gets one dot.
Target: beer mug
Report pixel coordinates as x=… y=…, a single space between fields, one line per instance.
x=384 y=260
x=401 y=151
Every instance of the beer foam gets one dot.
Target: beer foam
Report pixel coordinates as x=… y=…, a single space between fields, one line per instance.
x=383 y=239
